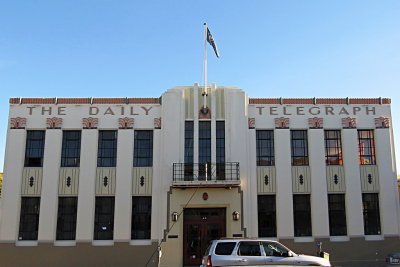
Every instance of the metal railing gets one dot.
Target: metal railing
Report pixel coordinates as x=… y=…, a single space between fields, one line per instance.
x=227 y=171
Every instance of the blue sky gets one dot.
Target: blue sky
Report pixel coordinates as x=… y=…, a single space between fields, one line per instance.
x=119 y=48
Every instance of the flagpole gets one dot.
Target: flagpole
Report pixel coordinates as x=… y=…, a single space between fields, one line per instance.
x=205 y=66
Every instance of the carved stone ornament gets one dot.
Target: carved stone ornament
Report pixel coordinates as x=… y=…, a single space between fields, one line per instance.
x=382 y=122
x=204 y=113
x=90 y=123
x=316 y=123
x=157 y=123
x=54 y=123
x=125 y=123
x=349 y=123
x=282 y=123
x=252 y=123
x=18 y=123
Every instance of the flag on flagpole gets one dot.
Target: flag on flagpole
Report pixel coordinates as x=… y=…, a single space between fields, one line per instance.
x=211 y=41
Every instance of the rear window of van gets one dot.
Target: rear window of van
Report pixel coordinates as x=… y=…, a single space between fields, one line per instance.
x=224 y=248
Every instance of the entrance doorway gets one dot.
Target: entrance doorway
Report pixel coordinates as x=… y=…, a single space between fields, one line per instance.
x=200 y=226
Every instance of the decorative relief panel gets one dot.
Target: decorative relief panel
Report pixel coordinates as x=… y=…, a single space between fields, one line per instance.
x=349 y=123
x=68 y=182
x=205 y=113
x=31 y=181
x=369 y=178
x=335 y=179
x=282 y=123
x=252 y=123
x=105 y=181
x=18 y=123
x=316 y=123
x=301 y=179
x=142 y=179
x=125 y=123
x=54 y=123
x=382 y=122
x=157 y=123
x=266 y=180
x=90 y=123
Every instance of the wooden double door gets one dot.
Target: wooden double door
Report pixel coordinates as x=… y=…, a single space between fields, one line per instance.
x=199 y=228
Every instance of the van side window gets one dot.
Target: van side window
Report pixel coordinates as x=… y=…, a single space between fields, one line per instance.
x=224 y=248
x=274 y=249
x=249 y=249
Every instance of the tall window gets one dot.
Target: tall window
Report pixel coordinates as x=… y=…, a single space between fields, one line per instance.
x=366 y=147
x=299 y=147
x=34 y=148
x=143 y=149
x=337 y=214
x=220 y=145
x=188 y=150
x=265 y=148
x=302 y=215
x=107 y=153
x=204 y=149
x=29 y=218
x=372 y=222
x=104 y=218
x=71 y=149
x=141 y=218
x=66 y=219
x=266 y=216
x=333 y=148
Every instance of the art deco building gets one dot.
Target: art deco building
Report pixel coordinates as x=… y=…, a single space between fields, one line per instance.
x=104 y=181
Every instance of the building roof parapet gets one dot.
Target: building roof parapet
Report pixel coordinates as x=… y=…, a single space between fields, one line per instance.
x=55 y=100
x=331 y=101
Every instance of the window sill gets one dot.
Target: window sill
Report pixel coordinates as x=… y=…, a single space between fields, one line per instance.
x=339 y=238
x=102 y=243
x=374 y=237
x=33 y=243
x=140 y=242
x=65 y=243
x=304 y=239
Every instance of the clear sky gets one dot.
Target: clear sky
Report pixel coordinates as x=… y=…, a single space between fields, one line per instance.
x=119 y=48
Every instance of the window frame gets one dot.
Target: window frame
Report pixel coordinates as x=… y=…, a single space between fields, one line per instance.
x=29 y=219
x=34 y=145
x=71 y=146
x=107 y=149
x=104 y=217
x=337 y=214
x=337 y=148
x=269 y=148
x=141 y=220
x=371 y=215
x=299 y=159
x=303 y=228
x=366 y=158
x=142 y=154
x=266 y=213
x=67 y=210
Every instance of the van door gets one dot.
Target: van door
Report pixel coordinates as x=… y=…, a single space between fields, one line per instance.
x=249 y=253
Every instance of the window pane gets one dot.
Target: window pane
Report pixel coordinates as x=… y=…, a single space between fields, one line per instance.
x=333 y=147
x=266 y=216
x=107 y=150
x=104 y=218
x=366 y=147
x=34 y=148
x=372 y=224
x=143 y=149
x=29 y=218
x=141 y=218
x=71 y=149
x=302 y=215
x=337 y=214
x=299 y=147
x=265 y=148
x=66 y=220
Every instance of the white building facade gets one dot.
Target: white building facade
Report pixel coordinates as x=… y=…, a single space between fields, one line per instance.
x=105 y=181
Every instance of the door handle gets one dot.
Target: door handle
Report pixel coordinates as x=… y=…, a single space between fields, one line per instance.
x=242 y=260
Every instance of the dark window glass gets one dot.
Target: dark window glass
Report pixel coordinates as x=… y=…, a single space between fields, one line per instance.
x=220 y=149
x=29 y=218
x=265 y=148
x=299 y=147
x=141 y=218
x=66 y=219
x=104 y=218
x=143 y=149
x=275 y=249
x=302 y=215
x=337 y=214
x=188 y=175
x=71 y=149
x=107 y=153
x=366 y=147
x=372 y=222
x=333 y=148
x=34 y=148
x=249 y=249
x=224 y=248
x=204 y=149
x=266 y=216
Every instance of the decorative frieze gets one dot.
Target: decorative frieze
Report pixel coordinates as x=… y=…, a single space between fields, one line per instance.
x=54 y=123
x=349 y=123
x=252 y=123
x=157 y=123
x=316 y=123
x=382 y=122
x=125 y=123
x=90 y=123
x=282 y=123
x=18 y=123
